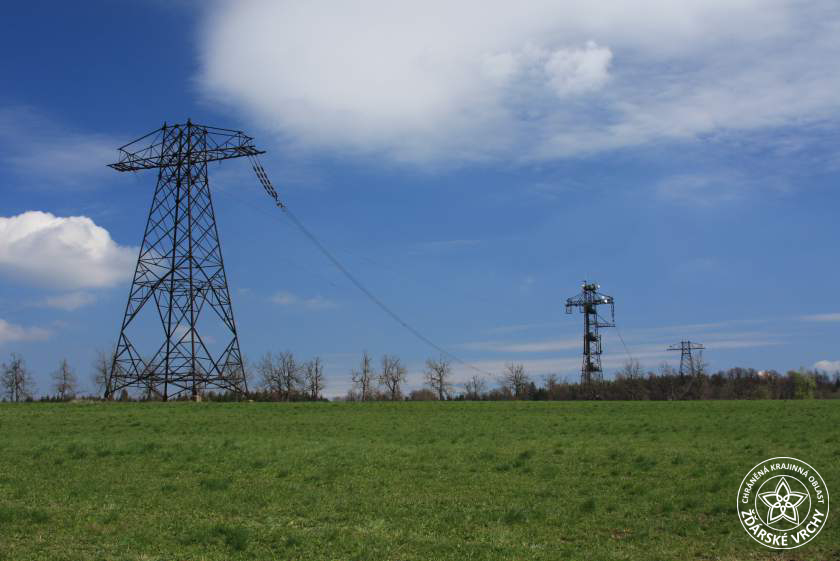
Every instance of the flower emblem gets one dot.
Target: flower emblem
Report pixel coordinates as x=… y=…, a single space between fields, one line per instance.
x=783 y=503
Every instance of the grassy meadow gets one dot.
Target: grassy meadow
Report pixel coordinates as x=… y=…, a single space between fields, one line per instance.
x=399 y=481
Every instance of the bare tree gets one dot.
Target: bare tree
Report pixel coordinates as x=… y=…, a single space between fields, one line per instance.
x=151 y=381
x=552 y=385
x=64 y=380
x=248 y=371
x=475 y=387
x=438 y=375
x=280 y=374
x=515 y=379
x=668 y=377
x=631 y=370
x=102 y=374
x=392 y=376
x=240 y=376
x=15 y=380
x=313 y=377
x=631 y=376
x=699 y=367
x=698 y=381
x=365 y=378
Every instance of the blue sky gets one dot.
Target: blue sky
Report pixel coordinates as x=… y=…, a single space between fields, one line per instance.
x=471 y=164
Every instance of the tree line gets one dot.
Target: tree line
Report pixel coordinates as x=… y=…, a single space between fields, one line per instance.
x=631 y=382
x=17 y=383
x=282 y=377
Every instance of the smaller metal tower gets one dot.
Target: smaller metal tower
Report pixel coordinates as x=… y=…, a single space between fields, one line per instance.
x=588 y=301
x=686 y=358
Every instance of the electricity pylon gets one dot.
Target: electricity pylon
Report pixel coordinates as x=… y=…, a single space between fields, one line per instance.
x=588 y=301
x=686 y=359
x=180 y=276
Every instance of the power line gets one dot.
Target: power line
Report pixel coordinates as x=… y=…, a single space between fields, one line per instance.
x=272 y=192
x=623 y=344
x=310 y=270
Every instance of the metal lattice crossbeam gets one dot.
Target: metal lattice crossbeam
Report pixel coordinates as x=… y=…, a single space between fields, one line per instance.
x=155 y=149
x=180 y=277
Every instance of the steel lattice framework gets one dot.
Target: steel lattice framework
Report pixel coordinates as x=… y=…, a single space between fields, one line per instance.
x=180 y=274
x=588 y=301
x=687 y=364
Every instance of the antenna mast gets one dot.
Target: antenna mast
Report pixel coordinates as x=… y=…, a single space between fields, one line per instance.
x=588 y=301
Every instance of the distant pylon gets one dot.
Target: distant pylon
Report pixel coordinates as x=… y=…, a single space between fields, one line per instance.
x=686 y=358
x=588 y=301
x=180 y=287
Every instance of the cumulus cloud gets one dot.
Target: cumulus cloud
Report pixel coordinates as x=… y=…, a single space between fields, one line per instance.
x=828 y=365
x=11 y=333
x=68 y=252
x=284 y=298
x=481 y=79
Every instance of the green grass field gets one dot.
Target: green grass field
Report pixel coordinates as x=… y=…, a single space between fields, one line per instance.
x=380 y=481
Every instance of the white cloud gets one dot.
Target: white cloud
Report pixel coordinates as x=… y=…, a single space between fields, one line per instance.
x=181 y=330
x=524 y=347
x=68 y=302
x=768 y=340
x=70 y=252
x=644 y=347
x=284 y=298
x=701 y=190
x=479 y=79
x=576 y=71
x=821 y=317
x=47 y=154
x=515 y=328
x=11 y=333
x=828 y=365
x=706 y=190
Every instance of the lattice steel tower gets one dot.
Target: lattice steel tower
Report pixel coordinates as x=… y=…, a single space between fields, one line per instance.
x=588 y=301
x=180 y=275
x=686 y=359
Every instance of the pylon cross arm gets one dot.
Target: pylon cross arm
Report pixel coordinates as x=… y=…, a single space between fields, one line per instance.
x=169 y=145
